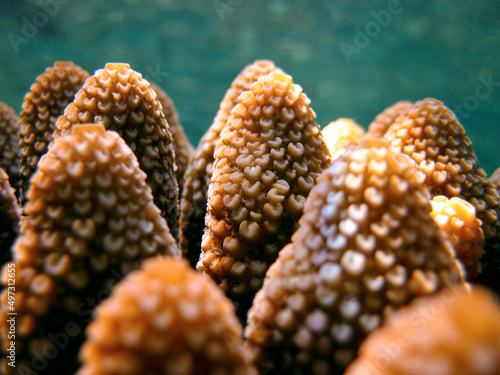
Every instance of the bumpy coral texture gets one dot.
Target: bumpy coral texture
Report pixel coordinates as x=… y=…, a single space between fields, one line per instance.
x=384 y=120
x=10 y=217
x=432 y=136
x=366 y=246
x=495 y=178
x=90 y=220
x=165 y=319
x=341 y=133
x=199 y=171
x=457 y=218
x=9 y=144
x=183 y=149
x=43 y=104
x=123 y=101
x=266 y=162
x=451 y=333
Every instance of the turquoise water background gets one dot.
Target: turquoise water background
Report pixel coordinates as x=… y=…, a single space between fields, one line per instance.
x=352 y=58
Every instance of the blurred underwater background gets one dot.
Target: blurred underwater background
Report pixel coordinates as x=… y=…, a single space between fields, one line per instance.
x=352 y=58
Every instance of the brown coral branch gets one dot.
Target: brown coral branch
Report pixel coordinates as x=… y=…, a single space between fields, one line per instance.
x=52 y=91
x=266 y=161
x=90 y=220
x=123 y=101
x=199 y=171
x=165 y=319
x=432 y=136
x=366 y=246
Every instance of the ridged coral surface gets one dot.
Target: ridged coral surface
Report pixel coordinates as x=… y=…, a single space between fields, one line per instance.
x=183 y=149
x=366 y=246
x=267 y=160
x=432 y=136
x=10 y=217
x=199 y=171
x=90 y=220
x=384 y=120
x=9 y=144
x=123 y=101
x=450 y=333
x=457 y=218
x=165 y=319
x=52 y=91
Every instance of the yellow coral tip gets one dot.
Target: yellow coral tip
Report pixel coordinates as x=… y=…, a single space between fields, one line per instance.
x=63 y=63
x=277 y=76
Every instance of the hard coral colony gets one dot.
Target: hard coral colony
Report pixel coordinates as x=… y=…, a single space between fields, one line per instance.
x=266 y=161
x=193 y=203
x=90 y=219
x=337 y=248
x=52 y=91
x=123 y=101
x=366 y=246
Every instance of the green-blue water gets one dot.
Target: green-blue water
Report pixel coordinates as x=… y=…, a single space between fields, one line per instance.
x=352 y=58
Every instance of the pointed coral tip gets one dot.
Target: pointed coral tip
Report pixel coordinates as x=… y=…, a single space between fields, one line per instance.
x=117 y=66
x=278 y=76
x=63 y=64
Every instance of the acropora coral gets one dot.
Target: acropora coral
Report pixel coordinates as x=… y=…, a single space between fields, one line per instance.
x=193 y=203
x=165 y=319
x=9 y=144
x=326 y=251
x=451 y=333
x=266 y=161
x=90 y=219
x=366 y=246
x=52 y=91
x=431 y=135
x=123 y=101
x=457 y=218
